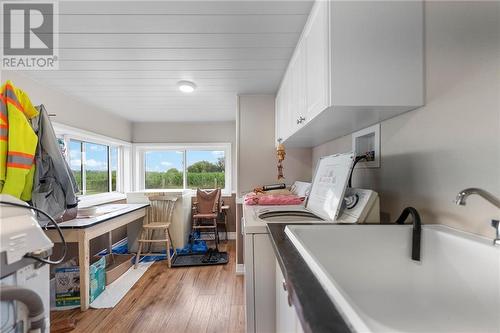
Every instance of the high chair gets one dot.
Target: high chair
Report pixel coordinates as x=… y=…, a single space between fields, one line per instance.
x=206 y=209
x=160 y=218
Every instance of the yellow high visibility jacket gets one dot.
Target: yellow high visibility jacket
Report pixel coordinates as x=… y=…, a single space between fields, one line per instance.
x=18 y=142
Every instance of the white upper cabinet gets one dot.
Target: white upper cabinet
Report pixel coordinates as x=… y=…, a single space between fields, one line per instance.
x=285 y=120
x=317 y=46
x=357 y=63
x=278 y=114
x=299 y=88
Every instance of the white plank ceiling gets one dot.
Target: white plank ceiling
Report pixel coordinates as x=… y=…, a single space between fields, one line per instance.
x=127 y=56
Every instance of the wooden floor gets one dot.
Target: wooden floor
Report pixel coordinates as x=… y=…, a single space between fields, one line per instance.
x=194 y=299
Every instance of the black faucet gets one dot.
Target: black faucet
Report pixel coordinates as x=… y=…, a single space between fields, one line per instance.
x=417 y=230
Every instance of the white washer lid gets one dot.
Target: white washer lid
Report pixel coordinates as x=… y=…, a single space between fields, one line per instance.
x=329 y=185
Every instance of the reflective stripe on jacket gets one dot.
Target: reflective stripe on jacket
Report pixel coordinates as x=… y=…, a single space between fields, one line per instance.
x=18 y=142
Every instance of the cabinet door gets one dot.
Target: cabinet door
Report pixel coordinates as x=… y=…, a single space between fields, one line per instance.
x=249 y=284
x=278 y=114
x=284 y=113
x=287 y=320
x=301 y=77
x=317 y=59
x=263 y=283
x=285 y=314
x=281 y=112
x=294 y=94
x=298 y=91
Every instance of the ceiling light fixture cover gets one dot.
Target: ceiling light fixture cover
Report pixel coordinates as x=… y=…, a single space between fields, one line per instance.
x=186 y=86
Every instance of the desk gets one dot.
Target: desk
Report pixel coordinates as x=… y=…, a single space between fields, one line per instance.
x=82 y=230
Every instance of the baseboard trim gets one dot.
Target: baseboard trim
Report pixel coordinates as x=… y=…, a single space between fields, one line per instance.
x=240 y=269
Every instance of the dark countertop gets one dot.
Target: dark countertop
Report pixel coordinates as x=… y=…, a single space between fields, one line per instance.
x=316 y=311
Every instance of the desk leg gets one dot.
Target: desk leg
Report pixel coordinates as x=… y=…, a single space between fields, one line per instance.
x=83 y=258
x=110 y=242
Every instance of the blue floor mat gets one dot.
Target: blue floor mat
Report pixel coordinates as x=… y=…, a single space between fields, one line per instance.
x=197 y=247
x=120 y=248
x=161 y=256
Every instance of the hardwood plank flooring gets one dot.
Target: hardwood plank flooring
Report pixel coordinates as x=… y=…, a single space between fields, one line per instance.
x=192 y=299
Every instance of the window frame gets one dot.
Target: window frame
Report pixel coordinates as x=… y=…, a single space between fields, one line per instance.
x=68 y=133
x=139 y=162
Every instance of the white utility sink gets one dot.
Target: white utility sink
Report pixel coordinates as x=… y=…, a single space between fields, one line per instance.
x=368 y=273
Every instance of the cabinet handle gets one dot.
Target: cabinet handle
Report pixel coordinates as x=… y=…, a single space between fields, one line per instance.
x=298 y=121
x=284 y=285
x=289 y=298
x=301 y=119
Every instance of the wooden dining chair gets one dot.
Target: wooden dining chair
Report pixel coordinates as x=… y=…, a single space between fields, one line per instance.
x=206 y=210
x=159 y=219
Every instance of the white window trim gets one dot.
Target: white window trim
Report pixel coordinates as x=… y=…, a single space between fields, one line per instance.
x=124 y=163
x=99 y=199
x=83 y=135
x=140 y=148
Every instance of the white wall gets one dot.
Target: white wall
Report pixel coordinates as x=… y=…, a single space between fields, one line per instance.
x=430 y=154
x=256 y=153
x=256 y=146
x=189 y=132
x=70 y=110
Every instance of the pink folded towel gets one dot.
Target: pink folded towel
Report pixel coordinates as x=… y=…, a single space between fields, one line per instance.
x=271 y=200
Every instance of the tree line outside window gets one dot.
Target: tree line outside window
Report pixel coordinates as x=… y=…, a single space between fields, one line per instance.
x=95 y=166
x=204 y=169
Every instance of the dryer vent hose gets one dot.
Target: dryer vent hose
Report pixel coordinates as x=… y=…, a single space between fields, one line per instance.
x=31 y=299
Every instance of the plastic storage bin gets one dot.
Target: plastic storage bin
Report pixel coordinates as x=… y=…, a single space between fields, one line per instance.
x=68 y=282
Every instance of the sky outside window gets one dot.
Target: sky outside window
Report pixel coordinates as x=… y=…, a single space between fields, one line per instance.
x=161 y=161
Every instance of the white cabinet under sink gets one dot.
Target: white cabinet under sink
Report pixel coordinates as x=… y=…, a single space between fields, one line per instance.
x=356 y=63
x=287 y=320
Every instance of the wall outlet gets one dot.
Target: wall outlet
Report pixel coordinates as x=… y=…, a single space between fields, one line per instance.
x=367 y=141
x=370 y=156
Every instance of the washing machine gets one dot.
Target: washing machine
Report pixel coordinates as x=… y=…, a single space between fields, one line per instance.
x=330 y=201
x=24 y=282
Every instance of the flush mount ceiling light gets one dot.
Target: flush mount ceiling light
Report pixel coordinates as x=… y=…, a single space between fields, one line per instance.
x=186 y=86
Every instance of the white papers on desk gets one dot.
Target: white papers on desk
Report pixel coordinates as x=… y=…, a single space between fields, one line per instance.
x=104 y=209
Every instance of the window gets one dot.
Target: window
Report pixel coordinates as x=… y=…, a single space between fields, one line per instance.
x=113 y=165
x=184 y=166
x=75 y=162
x=102 y=165
x=164 y=169
x=205 y=169
x=95 y=166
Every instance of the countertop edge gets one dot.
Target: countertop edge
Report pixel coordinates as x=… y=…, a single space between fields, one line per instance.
x=142 y=206
x=316 y=311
